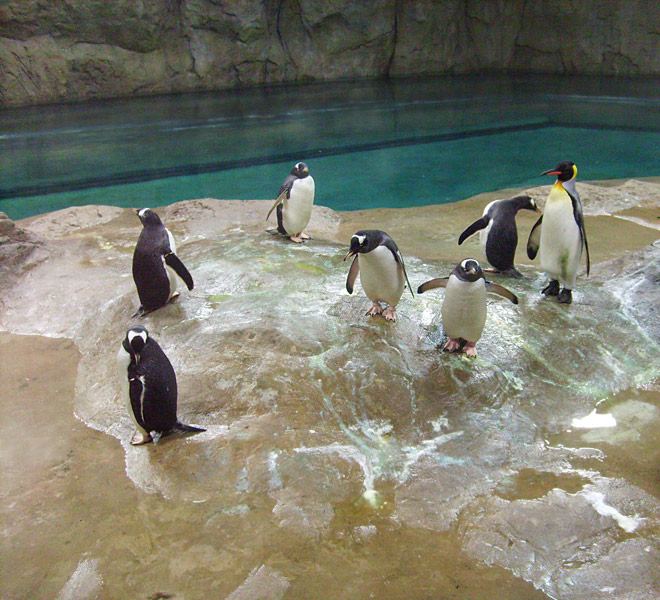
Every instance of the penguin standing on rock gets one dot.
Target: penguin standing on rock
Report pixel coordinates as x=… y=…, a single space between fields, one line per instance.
x=149 y=387
x=294 y=203
x=464 y=306
x=155 y=264
x=560 y=234
x=382 y=272
x=498 y=233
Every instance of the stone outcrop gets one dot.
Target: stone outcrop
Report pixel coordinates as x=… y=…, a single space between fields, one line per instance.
x=75 y=50
x=20 y=251
x=338 y=447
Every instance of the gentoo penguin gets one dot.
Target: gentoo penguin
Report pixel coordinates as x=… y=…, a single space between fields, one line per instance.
x=498 y=234
x=149 y=387
x=464 y=306
x=560 y=234
x=155 y=264
x=294 y=203
x=381 y=268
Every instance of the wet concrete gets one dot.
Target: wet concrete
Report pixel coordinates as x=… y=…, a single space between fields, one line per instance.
x=344 y=457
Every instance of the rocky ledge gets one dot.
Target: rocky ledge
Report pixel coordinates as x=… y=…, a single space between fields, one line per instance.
x=338 y=446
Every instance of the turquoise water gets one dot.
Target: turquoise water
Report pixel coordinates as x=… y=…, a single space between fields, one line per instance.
x=368 y=144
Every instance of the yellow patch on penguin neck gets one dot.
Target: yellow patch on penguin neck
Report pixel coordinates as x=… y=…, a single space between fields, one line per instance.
x=558 y=193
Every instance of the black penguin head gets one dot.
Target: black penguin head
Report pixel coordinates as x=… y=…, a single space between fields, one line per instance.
x=565 y=170
x=136 y=339
x=148 y=217
x=300 y=170
x=526 y=202
x=364 y=241
x=468 y=270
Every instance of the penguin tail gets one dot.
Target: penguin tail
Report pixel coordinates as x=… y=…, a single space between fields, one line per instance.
x=187 y=428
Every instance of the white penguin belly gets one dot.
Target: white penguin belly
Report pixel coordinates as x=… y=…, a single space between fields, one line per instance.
x=171 y=273
x=297 y=209
x=381 y=276
x=464 y=309
x=483 y=238
x=560 y=247
x=123 y=360
x=483 y=234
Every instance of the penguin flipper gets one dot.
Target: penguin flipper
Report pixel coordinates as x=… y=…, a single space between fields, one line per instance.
x=586 y=248
x=433 y=284
x=172 y=260
x=399 y=258
x=135 y=390
x=284 y=194
x=493 y=288
x=280 y=219
x=534 y=240
x=352 y=275
x=472 y=229
x=579 y=219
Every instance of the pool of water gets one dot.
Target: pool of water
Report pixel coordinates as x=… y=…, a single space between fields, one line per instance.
x=368 y=144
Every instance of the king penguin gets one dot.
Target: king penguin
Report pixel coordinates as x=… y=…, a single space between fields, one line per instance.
x=149 y=387
x=560 y=234
x=294 y=203
x=155 y=264
x=464 y=306
x=498 y=234
x=382 y=272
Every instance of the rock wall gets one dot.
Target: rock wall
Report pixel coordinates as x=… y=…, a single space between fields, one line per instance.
x=79 y=49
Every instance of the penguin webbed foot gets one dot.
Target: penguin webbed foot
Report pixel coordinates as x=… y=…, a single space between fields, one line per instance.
x=374 y=310
x=552 y=289
x=300 y=238
x=453 y=345
x=512 y=272
x=173 y=298
x=141 y=438
x=565 y=296
x=389 y=313
x=461 y=346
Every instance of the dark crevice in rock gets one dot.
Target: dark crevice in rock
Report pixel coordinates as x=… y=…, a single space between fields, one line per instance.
x=280 y=37
x=516 y=43
x=394 y=33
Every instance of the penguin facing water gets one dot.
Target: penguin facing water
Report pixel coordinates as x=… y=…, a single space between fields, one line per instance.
x=464 y=306
x=149 y=387
x=560 y=234
x=294 y=203
x=156 y=265
x=382 y=271
x=498 y=233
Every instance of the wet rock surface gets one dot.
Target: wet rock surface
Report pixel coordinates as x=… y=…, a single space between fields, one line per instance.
x=344 y=456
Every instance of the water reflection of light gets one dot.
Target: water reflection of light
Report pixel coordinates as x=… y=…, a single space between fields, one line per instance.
x=597 y=500
x=594 y=421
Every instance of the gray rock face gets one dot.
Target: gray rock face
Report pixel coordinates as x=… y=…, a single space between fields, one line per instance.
x=78 y=50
